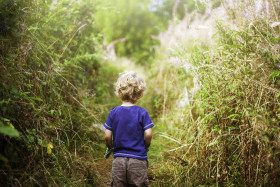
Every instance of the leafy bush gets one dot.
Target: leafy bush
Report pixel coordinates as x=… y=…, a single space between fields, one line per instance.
x=52 y=72
x=229 y=133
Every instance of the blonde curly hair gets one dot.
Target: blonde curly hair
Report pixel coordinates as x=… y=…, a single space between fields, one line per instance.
x=130 y=87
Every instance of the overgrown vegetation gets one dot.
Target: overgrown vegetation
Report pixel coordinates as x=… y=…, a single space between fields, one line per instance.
x=53 y=78
x=228 y=134
x=214 y=100
x=132 y=26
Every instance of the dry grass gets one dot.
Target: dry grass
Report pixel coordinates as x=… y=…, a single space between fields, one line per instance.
x=229 y=128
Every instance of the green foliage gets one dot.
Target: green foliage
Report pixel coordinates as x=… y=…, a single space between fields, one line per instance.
x=229 y=133
x=132 y=26
x=55 y=84
x=52 y=73
x=10 y=131
x=238 y=99
x=132 y=21
x=165 y=9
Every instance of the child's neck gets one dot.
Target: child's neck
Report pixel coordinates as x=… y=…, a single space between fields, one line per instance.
x=125 y=103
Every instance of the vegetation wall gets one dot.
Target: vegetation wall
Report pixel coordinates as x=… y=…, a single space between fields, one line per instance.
x=53 y=78
x=224 y=127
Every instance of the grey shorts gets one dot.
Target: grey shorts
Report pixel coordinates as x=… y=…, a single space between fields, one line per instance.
x=129 y=172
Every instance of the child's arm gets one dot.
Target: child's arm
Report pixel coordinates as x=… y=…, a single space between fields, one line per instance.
x=148 y=137
x=108 y=138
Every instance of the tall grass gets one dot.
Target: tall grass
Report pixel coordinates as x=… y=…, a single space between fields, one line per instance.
x=53 y=79
x=228 y=131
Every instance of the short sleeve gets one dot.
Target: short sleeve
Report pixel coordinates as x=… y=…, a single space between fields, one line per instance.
x=146 y=121
x=108 y=123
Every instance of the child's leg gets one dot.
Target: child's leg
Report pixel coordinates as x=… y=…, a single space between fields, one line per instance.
x=137 y=172
x=119 y=172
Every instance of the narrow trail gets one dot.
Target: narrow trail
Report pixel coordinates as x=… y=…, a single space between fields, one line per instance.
x=104 y=168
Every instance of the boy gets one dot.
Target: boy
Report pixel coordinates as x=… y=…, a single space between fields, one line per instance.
x=131 y=129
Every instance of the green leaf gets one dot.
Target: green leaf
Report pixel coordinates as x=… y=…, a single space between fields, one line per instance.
x=212 y=143
x=4 y=159
x=33 y=28
x=230 y=98
x=36 y=99
x=274 y=75
x=9 y=131
x=14 y=90
x=40 y=142
x=49 y=148
x=4 y=102
x=233 y=116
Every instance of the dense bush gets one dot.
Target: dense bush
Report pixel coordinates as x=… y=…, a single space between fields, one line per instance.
x=52 y=79
x=228 y=134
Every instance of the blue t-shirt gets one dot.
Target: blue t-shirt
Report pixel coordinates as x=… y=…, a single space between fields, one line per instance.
x=128 y=124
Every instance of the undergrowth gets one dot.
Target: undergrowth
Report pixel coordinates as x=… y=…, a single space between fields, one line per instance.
x=53 y=79
x=228 y=131
x=215 y=103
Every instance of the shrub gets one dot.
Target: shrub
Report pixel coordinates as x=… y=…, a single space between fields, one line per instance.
x=229 y=133
x=51 y=72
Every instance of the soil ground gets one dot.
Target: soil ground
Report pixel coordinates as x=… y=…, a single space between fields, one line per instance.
x=104 y=168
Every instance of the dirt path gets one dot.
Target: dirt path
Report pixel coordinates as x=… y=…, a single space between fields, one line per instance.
x=104 y=168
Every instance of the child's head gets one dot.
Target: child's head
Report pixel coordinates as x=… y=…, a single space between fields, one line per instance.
x=130 y=87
